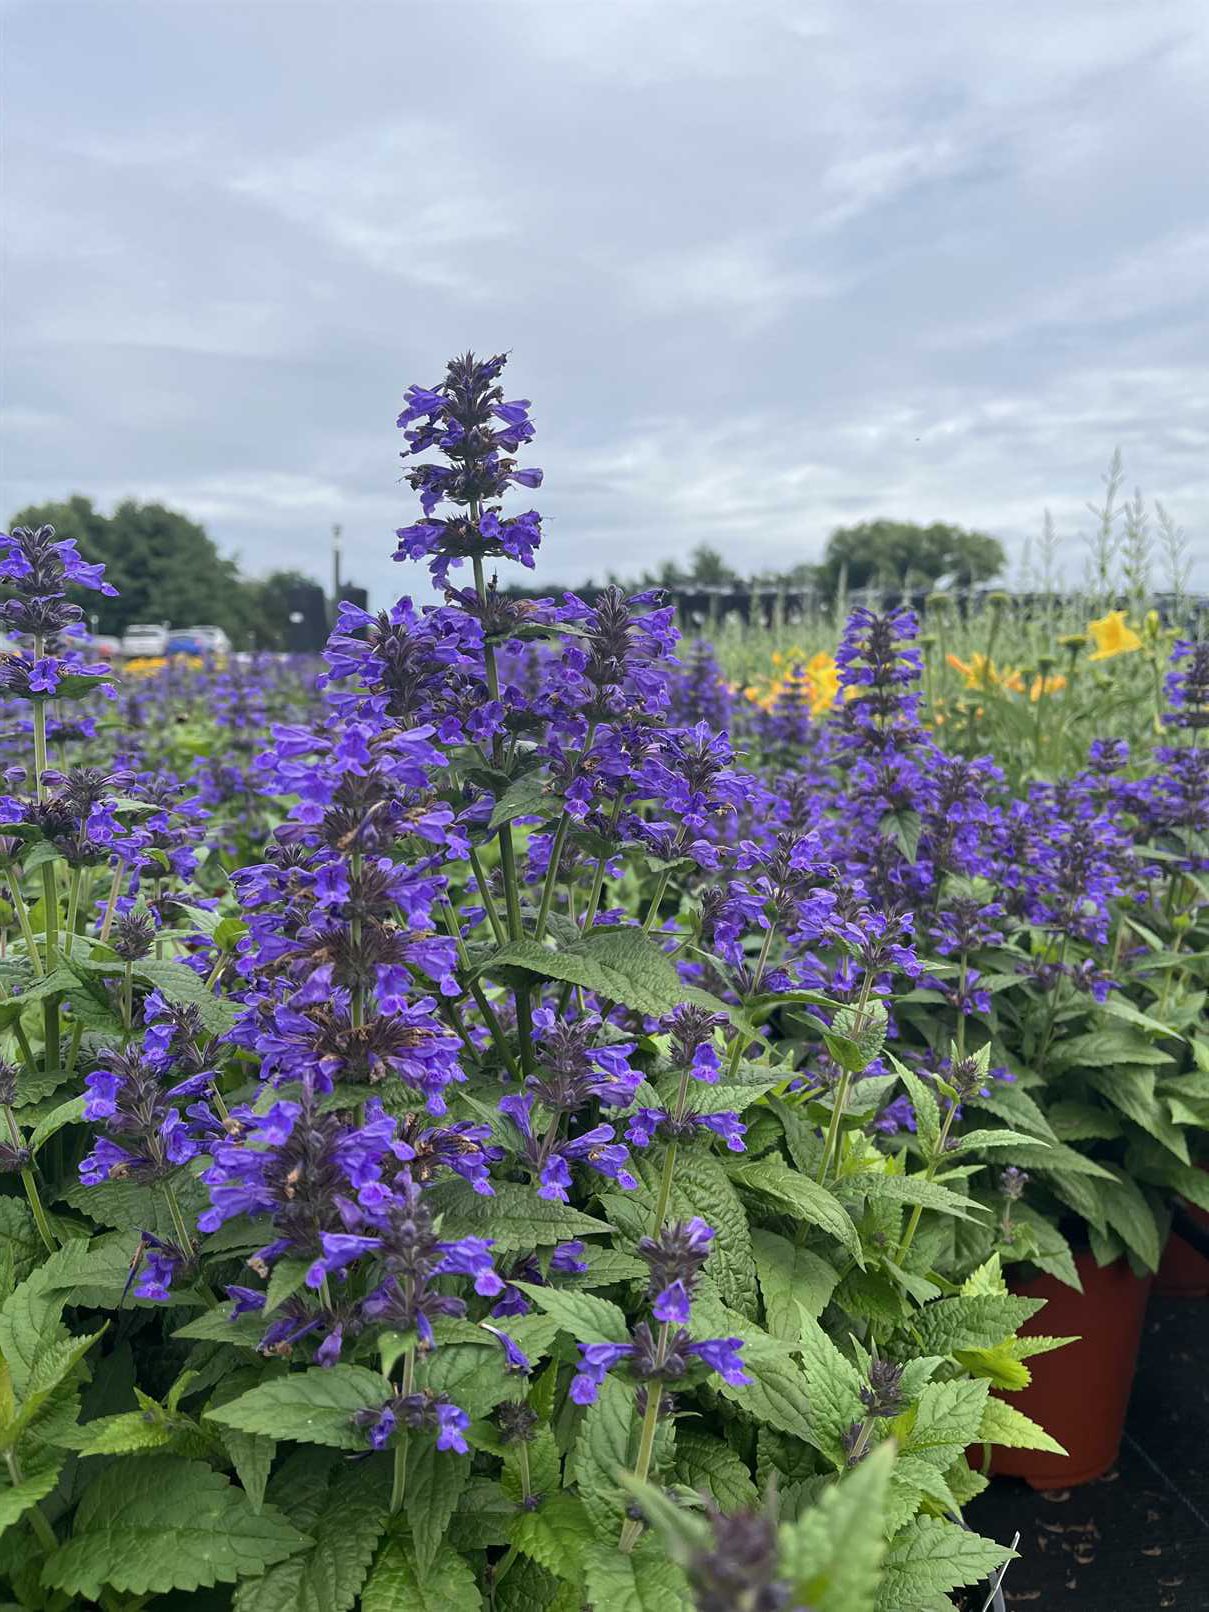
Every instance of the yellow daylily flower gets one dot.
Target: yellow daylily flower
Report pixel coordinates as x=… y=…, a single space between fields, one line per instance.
x=979 y=672
x=824 y=678
x=1048 y=685
x=1112 y=636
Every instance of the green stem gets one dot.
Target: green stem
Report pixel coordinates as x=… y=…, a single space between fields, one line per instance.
x=652 y=912
x=43 y=1532
x=839 y=1104
x=27 y=933
x=493 y=915
x=73 y=909
x=128 y=995
x=73 y=1051
x=556 y=852
x=399 y=1479
x=29 y=1182
x=178 y=1220
x=918 y=1209
x=357 y=1009
x=111 y=901
x=598 y=878
x=632 y=1529
x=665 y=1187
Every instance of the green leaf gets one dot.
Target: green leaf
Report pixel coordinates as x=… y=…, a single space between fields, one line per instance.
x=980 y=1141
x=808 y=1201
x=1003 y=1424
x=65 y=1114
x=924 y=1106
x=602 y=1450
x=644 y=1581
x=314 y=1406
x=435 y=1479
x=556 y=1535
x=515 y=1217
x=1132 y=1092
x=917 y=1189
x=1131 y=1217
x=701 y=1186
x=396 y=1584
x=160 y=1523
x=977 y=1322
x=587 y=1318
x=930 y=1557
x=832 y=1555
x=833 y=1390
x=526 y=796
x=621 y=964
x=794 y=1283
x=286 y=1277
x=946 y=1419
x=708 y=1465
x=252 y=1457
x=346 y=1529
x=904 y=828
x=1105 y=1049
x=29 y=1317
x=471 y=1374
x=17 y=1498
x=178 y=983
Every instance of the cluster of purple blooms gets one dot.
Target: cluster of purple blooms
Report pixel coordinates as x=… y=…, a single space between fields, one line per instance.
x=367 y=1001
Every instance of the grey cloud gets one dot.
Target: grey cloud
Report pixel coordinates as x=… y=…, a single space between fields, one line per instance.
x=762 y=268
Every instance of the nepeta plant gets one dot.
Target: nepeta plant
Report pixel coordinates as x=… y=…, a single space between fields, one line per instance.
x=540 y=1174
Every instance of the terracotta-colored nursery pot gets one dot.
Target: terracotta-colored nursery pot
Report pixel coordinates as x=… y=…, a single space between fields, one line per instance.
x=1080 y=1393
x=1184 y=1274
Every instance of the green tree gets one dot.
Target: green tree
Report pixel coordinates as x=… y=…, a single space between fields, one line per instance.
x=887 y=553
x=165 y=568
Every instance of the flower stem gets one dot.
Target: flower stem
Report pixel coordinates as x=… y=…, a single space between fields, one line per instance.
x=632 y=1528
x=111 y=901
x=27 y=933
x=29 y=1182
x=918 y=1209
x=43 y=1532
x=839 y=1104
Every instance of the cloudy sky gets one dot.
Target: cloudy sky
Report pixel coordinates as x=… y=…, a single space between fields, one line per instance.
x=764 y=266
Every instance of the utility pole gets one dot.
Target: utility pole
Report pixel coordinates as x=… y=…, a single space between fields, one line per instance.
x=336 y=530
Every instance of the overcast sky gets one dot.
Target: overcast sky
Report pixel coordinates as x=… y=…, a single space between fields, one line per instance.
x=764 y=266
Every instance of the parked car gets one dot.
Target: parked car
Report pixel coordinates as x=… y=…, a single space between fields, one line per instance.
x=214 y=640
x=142 y=638
x=105 y=646
x=186 y=643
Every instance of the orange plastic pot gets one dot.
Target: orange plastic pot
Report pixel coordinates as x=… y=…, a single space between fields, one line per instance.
x=1184 y=1274
x=1080 y=1393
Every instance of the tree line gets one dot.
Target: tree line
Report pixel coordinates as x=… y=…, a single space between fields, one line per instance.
x=167 y=568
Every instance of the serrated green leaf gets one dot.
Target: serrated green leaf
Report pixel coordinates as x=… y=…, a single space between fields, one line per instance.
x=286 y=1277
x=314 y=1406
x=602 y=1449
x=930 y=1557
x=435 y=1479
x=526 y=796
x=1131 y=1217
x=808 y=1201
x=17 y=1498
x=585 y=1317
x=794 y=1283
x=924 y=1106
x=917 y=1189
x=1003 y=1424
x=176 y=982
x=644 y=1581
x=702 y=1187
x=252 y=1457
x=970 y=1322
x=987 y=1140
x=396 y=1585
x=833 y=1391
x=946 y=1419
x=556 y=1535
x=621 y=964
x=328 y=1577
x=65 y=1114
x=1132 y=1092
x=160 y=1523
x=832 y=1555
x=707 y=1464
x=515 y=1217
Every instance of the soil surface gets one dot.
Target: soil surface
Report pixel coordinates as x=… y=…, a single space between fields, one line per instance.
x=1138 y=1538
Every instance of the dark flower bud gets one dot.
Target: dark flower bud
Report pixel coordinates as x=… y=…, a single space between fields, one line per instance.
x=517 y=1423
x=737 y=1571
x=8 y=1083
x=882 y=1396
x=133 y=934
